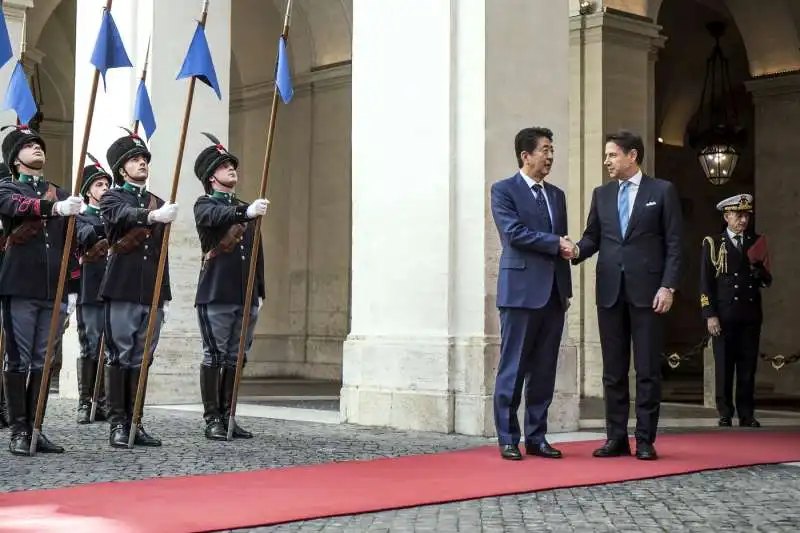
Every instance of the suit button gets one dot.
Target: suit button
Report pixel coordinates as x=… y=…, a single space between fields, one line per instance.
x=750 y=286
x=735 y=297
x=735 y=286
x=736 y=274
x=145 y=258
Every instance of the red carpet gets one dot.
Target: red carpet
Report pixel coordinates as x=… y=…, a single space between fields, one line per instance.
x=265 y=497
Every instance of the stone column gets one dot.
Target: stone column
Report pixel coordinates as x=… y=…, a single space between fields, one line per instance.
x=612 y=58
x=424 y=342
x=777 y=112
x=14 y=12
x=173 y=377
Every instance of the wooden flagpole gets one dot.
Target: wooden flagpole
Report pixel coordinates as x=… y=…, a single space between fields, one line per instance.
x=55 y=323
x=143 y=371
x=251 y=278
x=101 y=356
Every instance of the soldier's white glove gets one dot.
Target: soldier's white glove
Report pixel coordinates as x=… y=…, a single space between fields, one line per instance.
x=258 y=208
x=260 y=303
x=164 y=214
x=165 y=312
x=72 y=300
x=69 y=207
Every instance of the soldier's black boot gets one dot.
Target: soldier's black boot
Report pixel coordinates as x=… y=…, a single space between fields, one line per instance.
x=43 y=444
x=142 y=438
x=14 y=390
x=209 y=391
x=226 y=397
x=3 y=407
x=85 y=389
x=117 y=390
x=102 y=408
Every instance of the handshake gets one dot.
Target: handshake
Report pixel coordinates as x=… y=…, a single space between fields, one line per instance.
x=568 y=249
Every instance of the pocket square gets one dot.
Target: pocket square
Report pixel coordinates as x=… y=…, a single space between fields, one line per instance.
x=648 y=204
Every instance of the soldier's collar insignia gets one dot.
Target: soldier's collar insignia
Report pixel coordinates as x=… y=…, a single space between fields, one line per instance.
x=27 y=178
x=135 y=189
x=92 y=210
x=223 y=195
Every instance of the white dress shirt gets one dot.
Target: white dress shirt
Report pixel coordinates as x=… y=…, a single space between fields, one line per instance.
x=633 y=189
x=531 y=183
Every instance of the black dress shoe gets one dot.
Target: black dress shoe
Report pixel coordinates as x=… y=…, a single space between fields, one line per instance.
x=749 y=422
x=646 y=451
x=510 y=452
x=542 y=449
x=45 y=445
x=613 y=448
x=725 y=422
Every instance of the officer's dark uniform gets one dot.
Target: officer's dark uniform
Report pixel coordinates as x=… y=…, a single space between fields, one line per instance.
x=93 y=250
x=5 y=174
x=35 y=239
x=730 y=290
x=226 y=237
x=127 y=288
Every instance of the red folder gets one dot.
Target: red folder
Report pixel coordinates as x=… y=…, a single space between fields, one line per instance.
x=759 y=252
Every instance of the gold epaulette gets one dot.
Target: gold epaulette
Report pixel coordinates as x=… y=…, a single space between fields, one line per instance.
x=718 y=259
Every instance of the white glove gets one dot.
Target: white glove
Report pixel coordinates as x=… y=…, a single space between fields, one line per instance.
x=69 y=207
x=165 y=312
x=260 y=303
x=258 y=208
x=164 y=214
x=72 y=300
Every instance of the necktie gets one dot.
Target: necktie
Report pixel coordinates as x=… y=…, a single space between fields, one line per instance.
x=738 y=240
x=541 y=204
x=623 y=206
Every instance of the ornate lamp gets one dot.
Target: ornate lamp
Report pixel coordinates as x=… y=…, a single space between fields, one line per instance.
x=716 y=134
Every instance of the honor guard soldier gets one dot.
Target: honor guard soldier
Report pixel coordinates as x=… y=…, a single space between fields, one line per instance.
x=5 y=174
x=226 y=237
x=734 y=269
x=93 y=250
x=34 y=215
x=135 y=220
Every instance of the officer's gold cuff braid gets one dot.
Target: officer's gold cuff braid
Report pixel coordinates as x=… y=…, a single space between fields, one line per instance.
x=719 y=260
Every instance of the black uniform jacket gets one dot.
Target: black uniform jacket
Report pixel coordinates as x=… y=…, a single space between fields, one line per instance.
x=733 y=294
x=91 y=232
x=223 y=278
x=31 y=269
x=131 y=275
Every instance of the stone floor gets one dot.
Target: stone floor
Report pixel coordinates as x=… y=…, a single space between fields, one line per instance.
x=751 y=499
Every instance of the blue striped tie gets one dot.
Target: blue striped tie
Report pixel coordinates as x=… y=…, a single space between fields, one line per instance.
x=623 y=207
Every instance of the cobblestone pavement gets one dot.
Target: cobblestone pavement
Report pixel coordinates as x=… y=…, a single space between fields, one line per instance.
x=763 y=499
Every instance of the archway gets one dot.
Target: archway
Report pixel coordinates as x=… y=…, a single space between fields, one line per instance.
x=298 y=345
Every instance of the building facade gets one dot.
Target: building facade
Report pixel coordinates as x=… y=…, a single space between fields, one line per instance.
x=381 y=251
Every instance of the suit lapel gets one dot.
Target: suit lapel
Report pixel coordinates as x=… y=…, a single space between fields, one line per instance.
x=642 y=197
x=612 y=190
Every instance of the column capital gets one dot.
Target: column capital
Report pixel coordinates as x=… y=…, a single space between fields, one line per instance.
x=15 y=9
x=32 y=57
x=620 y=27
x=774 y=85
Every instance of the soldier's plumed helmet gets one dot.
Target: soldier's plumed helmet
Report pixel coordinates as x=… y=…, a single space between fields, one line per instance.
x=18 y=137
x=739 y=203
x=124 y=149
x=210 y=159
x=5 y=172
x=92 y=173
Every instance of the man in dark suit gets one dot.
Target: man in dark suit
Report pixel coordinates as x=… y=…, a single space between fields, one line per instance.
x=533 y=291
x=635 y=223
x=732 y=274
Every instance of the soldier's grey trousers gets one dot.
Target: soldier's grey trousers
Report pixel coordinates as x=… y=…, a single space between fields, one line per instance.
x=220 y=328
x=91 y=321
x=26 y=323
x=125 y=329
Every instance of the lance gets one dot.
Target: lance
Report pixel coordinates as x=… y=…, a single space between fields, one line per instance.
x=55 y=323
x=101 y=356
x=251 y=277
x=151 y=320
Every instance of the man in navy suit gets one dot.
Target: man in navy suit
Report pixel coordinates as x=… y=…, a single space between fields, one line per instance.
x=635 y=223
x=534 y=286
